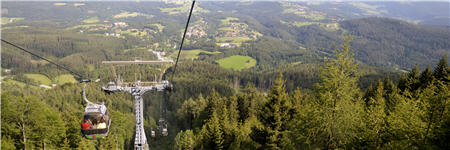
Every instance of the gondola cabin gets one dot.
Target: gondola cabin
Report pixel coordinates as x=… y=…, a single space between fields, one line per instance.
x=163 y=127
x=96 y=122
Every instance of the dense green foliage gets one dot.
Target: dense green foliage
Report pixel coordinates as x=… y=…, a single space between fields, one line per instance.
x=303 y=92
x=381 y=42
x=335 y=115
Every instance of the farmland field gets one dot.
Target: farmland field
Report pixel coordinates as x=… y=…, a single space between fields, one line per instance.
x=181 y=9
x=39 y=78
x=84 y=26
x=59 y=4
x=18 y=83
x=6 y=20
x=306 y=24
x=159 y=26
x=126 y=14
x=233 y=39
x=192 y=54
x=237 y=62
x=65 y=78
x=91 y=20
x=228 y=19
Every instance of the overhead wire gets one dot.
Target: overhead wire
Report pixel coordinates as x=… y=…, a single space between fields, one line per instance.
x=182 y=40
x=54 y=63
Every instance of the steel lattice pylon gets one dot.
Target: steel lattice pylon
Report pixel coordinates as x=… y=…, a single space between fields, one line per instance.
x=137 y=89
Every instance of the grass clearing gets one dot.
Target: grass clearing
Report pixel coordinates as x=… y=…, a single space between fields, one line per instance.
x=78 y=4
x=14 y=27
x=327 y=26
x=59 y=4
x=301 y=24
x=232 y=39
x=39 y=78
x=90 y=67
x=84 y=26
x=138 y=33
x=225 y=29
x=65 y=78
x=192 y=54
x=91 y=20
x=20 y=84
x=369 y=9
x=6 y=20
x=159 y=26
x=126 y=14
x=228 y=19
x=318 y=17
x=237 y=62
x=289 y=10
x=182 y=9
x=237 y=44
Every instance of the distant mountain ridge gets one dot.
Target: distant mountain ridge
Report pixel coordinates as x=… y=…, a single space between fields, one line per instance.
x=272 y=33
x=383 y=40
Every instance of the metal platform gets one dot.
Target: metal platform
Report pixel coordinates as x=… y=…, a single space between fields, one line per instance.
x=137 y=89
x=137 y=62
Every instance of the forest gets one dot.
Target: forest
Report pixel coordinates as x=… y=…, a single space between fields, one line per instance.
x=412 y=113
x=321 y=78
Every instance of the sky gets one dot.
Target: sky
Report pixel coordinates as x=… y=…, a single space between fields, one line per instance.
x=252 y=0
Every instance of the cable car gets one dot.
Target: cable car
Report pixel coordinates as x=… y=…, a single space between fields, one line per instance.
x=96 y=120
x=163 y=127
x=153 y=134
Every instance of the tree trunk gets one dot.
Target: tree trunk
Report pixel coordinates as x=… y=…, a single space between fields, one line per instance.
x=330 y=137
x=429 y=125
x=24 y=135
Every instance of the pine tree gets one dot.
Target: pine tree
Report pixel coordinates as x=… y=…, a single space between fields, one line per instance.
x=410 y=83
x=65 y=145
x=7 y=142
x=406 y=126
x=441 y=72
x=340 y=111
x=392 y=95
x=297 y=98
x=86 y=145
x=275 y=117
x=212 y=133
x=426 y=77
x=247 y=103
x=375 y=117
x=304 y=121
x=434 y=99
x=185 y=140
x=213 y=103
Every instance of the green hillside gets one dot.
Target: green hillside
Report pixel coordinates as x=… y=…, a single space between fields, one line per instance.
x=237 y=62
x=39 y=78
x=251 y=75
x=65 y=78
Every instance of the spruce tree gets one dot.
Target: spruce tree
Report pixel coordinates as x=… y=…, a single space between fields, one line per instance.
x=405 y=125
x=185 y=140
x=274 y=117
x=441 y=72
x=410 y=83
x=339 y=104
x=392 y=95
x=375 y=117
x=212 y=133
x=247 y=103
x=426 y=77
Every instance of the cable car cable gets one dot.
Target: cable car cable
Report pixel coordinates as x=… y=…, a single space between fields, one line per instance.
x=95 y=134
x=182 y=40
x=56 y=64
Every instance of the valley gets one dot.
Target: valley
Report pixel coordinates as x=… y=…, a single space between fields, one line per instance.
x=245 y=70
